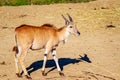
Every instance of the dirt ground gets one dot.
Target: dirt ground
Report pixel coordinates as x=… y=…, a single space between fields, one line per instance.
x=99 y=42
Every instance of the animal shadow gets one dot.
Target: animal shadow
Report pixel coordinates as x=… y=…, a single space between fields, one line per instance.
x=51 y=63
x=85 y=58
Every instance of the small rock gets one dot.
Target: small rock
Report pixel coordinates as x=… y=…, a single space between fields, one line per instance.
x=111 y=26
x=3 y=63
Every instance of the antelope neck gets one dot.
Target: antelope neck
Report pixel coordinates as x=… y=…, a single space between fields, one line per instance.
x=63 y=34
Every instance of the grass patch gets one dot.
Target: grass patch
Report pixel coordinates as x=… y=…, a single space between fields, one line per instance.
x=37 y=2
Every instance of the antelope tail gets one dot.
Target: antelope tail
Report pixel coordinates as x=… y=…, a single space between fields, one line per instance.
x=15 y=49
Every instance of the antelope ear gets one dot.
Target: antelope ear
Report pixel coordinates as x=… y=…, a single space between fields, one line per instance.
x=67 y=23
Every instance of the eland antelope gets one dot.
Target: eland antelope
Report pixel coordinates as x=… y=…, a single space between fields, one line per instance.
x=46 y=36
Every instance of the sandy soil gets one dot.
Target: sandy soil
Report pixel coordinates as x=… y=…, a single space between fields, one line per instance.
x=99 y=42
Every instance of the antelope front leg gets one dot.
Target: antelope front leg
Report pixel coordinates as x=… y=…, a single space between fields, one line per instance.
x=44 y=63
x=56 y=61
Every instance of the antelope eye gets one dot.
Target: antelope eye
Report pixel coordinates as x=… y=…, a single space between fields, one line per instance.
x=71 y=26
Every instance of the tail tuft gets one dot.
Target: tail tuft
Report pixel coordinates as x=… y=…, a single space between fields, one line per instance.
x=15 y=48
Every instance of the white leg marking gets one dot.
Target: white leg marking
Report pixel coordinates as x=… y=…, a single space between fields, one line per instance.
x=56 y=60
x=45 y=60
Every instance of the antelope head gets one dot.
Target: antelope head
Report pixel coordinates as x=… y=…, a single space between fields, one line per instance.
x=70 y=25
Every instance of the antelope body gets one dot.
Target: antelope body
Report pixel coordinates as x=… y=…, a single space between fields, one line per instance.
x=46 y=36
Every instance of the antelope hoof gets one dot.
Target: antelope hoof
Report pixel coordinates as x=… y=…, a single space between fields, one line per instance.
x=61 y=74
x=18 y=75
x=43 y=73
x=28 y=77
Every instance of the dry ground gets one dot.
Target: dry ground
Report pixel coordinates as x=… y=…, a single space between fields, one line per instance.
x=99 y=24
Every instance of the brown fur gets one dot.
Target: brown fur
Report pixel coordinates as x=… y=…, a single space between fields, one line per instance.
x=46 y=36
x=30 y=33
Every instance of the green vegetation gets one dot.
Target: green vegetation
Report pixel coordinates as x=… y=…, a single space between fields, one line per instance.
x=37 y=2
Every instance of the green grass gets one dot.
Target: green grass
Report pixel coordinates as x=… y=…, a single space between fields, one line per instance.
x=14 y=2
x=37 y=2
